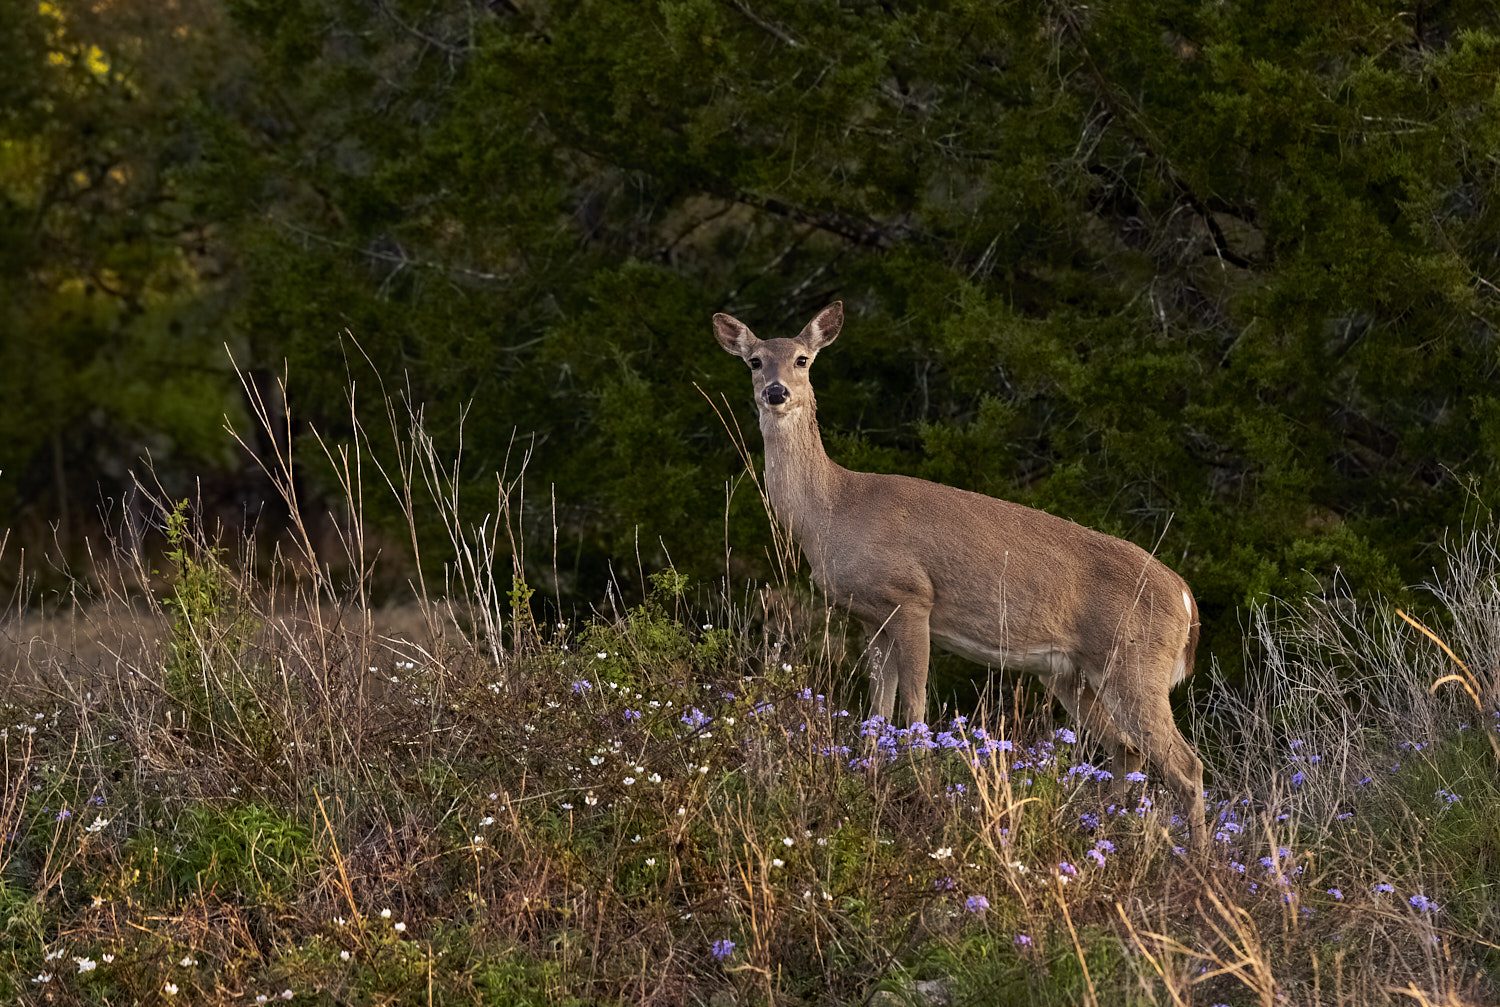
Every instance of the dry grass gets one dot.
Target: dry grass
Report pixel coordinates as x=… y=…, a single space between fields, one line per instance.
x=238 y=780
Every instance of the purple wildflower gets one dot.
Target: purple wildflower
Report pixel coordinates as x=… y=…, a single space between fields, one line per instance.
x=1383 y=889
x=696 y=718
x=632 y=715
x=722 y=948
x=1422 y=904
x=1136 y=776
x=976 y=903
x=1066 y=869
x=581 y=686
x=1338 y=896
x=1064 y=735
x=1023 y=940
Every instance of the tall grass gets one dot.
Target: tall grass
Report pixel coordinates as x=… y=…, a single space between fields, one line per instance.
x=257 y=784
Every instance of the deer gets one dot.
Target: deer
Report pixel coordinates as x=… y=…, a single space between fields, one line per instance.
x=1108 y=628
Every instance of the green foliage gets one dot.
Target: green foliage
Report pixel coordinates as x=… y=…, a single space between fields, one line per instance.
x=110 y=288
x=991 y=968
x=1214 y=278
x=248 y=852
x=520 y=980
x=211 y=627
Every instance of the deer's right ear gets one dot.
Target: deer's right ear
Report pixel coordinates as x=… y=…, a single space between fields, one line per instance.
x=734 y=335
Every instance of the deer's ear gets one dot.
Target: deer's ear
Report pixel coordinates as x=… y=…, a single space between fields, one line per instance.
x=824 y=328
x=734 y=335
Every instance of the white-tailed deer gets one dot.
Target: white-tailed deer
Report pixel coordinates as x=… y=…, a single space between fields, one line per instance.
x=1108 y=627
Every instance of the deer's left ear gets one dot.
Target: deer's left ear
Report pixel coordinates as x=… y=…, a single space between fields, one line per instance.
x=824 y=328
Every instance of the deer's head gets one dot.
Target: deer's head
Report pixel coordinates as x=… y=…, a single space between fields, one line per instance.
x=780 y=368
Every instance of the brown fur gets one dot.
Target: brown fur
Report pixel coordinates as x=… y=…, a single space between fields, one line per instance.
x=1108 y=627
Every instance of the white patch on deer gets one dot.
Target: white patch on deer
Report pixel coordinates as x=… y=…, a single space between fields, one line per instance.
x=1179 y=670
x=1187 y=603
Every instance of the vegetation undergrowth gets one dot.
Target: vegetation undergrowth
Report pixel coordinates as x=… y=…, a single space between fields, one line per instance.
x=270 y=791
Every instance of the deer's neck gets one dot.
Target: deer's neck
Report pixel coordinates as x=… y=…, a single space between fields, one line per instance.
x=801 y=480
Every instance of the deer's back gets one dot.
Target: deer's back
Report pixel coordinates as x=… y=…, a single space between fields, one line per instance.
x=1005 y=583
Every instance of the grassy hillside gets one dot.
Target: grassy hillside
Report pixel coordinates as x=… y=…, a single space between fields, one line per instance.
x=248 y=793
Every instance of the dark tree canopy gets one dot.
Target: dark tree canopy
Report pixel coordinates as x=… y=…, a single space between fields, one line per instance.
x=1220 y=278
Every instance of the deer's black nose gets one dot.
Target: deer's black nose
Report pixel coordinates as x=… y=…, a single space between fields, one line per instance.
x=776 y=393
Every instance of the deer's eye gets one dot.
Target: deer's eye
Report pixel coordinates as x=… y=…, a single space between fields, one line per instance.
x=755 y=363
x=801 y=361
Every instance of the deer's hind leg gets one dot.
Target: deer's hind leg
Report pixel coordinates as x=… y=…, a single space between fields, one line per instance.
x=1093 y=717
x=1144 y=719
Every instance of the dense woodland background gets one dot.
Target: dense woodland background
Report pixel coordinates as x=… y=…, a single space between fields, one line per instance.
x=1221 y=278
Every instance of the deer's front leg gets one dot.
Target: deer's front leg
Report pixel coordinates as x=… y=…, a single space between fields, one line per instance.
x=899 y=652
x=884 y=672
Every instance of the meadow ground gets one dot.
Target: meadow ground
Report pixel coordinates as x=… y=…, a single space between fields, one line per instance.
x=235 y=795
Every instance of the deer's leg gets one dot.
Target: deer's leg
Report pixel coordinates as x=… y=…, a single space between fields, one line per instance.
x=884 y=672
x=899 y=652
x=911 y=638
x=1092 y=716
x=1124 y=757
x=1148 y=723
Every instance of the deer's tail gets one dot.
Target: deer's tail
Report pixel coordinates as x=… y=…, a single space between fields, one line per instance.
x=1190 y=648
